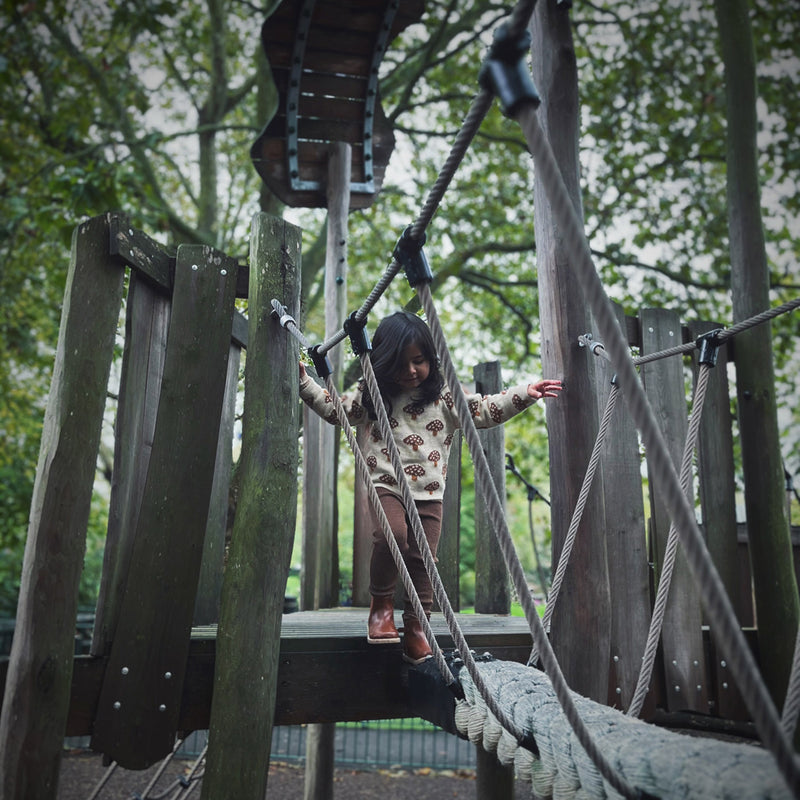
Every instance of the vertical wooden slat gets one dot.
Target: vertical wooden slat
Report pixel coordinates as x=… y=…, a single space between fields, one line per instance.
x=684 y=659
x=362 y=536
x=717 y=491
x=146 y=324
x=628 y=571
x=37 y=690
x=492 y=584
x=206 y=607
x=450 y=541
x=320 y=738
x=247 y=649
x=139 y=703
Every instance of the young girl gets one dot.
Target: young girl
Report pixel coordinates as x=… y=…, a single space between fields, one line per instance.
x=423 y=420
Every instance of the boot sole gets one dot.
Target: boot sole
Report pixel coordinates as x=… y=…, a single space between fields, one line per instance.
x=389 y=640
x=415 y=661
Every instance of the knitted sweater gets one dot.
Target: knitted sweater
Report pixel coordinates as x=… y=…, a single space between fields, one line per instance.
x=423 y=434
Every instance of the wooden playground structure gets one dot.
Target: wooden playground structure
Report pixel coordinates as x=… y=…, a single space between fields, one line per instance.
x=189 y=631
x=158 y=660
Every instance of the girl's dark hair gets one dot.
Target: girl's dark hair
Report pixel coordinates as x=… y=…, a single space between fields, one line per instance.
x=392 y=336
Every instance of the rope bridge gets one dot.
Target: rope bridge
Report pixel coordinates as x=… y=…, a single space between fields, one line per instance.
x=484 y=688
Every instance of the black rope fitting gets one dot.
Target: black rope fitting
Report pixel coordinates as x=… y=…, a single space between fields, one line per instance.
x=411 y=257
x=505 y=73
x=322 y=364
x=529 y=743
x=709 y=345
x=357 y=331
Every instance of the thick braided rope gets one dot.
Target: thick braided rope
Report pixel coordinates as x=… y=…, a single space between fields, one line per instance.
x=665 y=764
x=716 y=601
x=577 y=513
x=791 y=706
x=364 y=474
x=670 y=551
x=512 y=561
x=427 y=556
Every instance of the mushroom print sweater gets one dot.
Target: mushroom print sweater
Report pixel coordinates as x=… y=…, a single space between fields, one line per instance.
x=423 y=434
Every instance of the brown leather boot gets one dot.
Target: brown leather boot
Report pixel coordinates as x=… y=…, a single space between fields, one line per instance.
x=380 y=625
x=415 y=646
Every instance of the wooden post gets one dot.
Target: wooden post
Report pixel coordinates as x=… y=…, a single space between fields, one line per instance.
x=492 y=584
x=628 y=570
x=450 y=541
x=37 y=690
x=247 y=650
x=320 y=738
x=362 y=536
x=209 y=587
x=684 y=660
x=579 y=631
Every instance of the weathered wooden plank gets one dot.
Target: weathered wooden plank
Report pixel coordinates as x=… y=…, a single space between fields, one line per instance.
x=492 y=584
x=628 y=571
x=450 y=541
x=664 y=381
x=245 y=682
x=37 y=691
x=138 y=710
x=326 y=650
x=141 y=252
x=209 y=588
x=146 y=324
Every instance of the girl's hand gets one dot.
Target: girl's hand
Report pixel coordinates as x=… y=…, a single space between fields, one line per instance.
x=302 y=371
x=542 y=389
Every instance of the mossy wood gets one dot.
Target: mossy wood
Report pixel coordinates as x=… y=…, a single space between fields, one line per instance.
x=248 y=643
x=139 y=705
x=38 y=685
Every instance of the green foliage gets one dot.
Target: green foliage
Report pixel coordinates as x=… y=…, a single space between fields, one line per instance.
x=150 y=106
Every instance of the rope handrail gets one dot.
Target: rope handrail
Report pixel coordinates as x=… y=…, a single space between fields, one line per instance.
x=706 y=576
x=513 y=564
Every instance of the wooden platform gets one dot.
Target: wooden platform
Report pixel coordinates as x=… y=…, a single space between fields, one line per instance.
x=328 y=672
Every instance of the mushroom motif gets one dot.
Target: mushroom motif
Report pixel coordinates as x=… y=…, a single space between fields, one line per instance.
x=518 y=402
x=357 y=410
x=393 y=423
x=434 y=426
x=375 y=434
x=495 y=413
x=413 y=409
x=414 y=441
x=448 y=399
x=435 y=456
x=432 y=487
x=388 y=480
x=448 y=440
x=414 y=471
x=372 y=462
x=474 y=408
x=385 y=451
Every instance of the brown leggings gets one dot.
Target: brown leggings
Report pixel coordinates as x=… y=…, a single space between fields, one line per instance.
x=383 y=570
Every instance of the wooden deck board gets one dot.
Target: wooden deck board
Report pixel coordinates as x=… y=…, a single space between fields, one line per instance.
x=328 y=672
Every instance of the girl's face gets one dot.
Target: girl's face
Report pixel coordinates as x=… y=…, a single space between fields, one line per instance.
x=414 y=368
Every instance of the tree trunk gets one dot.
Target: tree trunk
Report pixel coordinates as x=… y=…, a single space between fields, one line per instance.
x=580 y=630
x=775 y=588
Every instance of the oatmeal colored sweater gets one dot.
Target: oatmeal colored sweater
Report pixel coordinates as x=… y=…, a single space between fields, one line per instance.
x=423 y=434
